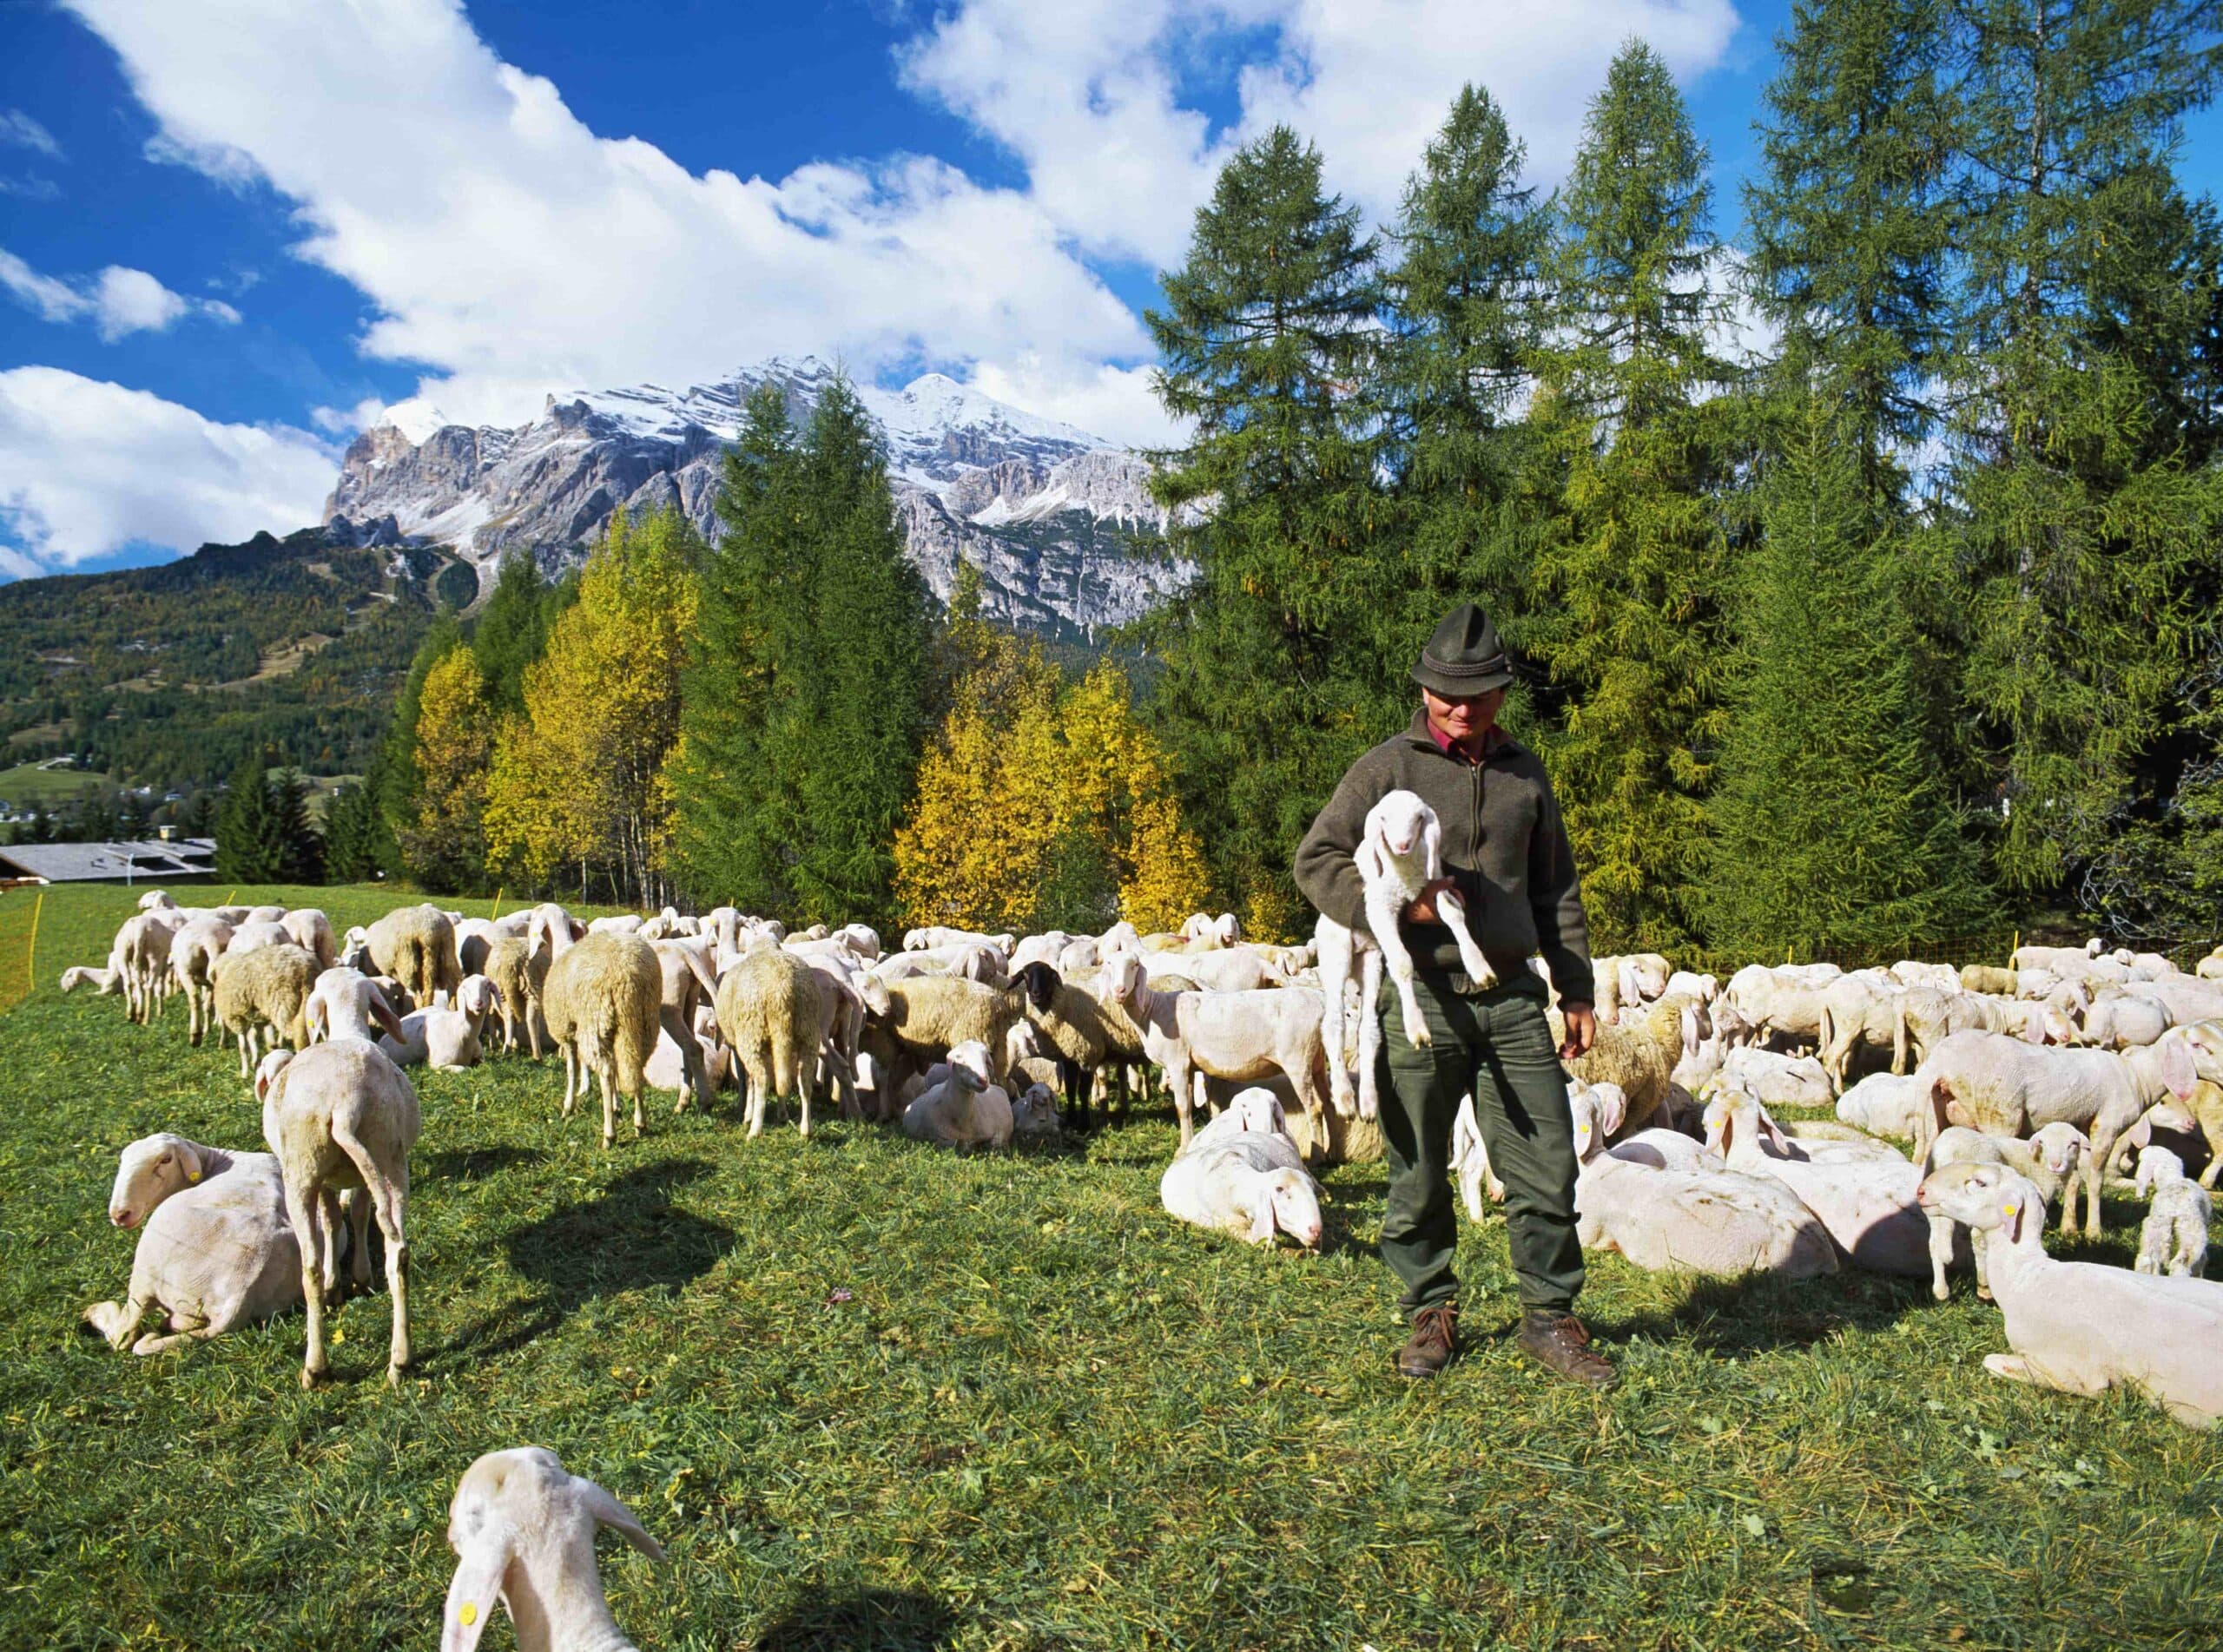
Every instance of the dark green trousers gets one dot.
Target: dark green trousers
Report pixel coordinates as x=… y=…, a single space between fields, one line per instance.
x=1498 y=1046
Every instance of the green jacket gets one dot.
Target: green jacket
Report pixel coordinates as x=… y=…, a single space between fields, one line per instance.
x=1504 y=845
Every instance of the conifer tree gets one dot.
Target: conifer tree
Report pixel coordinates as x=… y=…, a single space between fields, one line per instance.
x=301 y=849
x=1276 y=672
x=350 y=825
x=512 y=628
x=1633 y=632
x=251 y=845
x=1832 y=829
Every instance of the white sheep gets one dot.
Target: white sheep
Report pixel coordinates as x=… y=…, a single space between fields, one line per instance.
x=522 y=1532
x=1244 y=1174
x=2048 y=1159
x=967 y=1108
x=1243 y=1036
x=215 y=1249
x=2173 y=1239
x=1886 y=1104
x=347 y=1003
x=312 y=931
x=1034 y=1113
x=1400 y=853
x=2081 y=1327
x=342 y=1115
x=602 y=1001
x=194 y=951
x=1777 y=1080
x=1866 y=1201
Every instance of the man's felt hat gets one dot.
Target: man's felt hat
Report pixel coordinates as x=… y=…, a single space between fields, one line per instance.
x=1464 y=657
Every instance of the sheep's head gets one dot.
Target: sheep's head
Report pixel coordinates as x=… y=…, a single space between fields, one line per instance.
x=520 y=1525
x=476 y=997
x=2155 y=1167
x=1259 y=1109
x=1598 y=1110
x=155 y=898
x=1398 y=821
x=1041 y=982
x=1983 y=1196
x=266 y=1071
x=1288 y=1203
x=2061 y=1147
x=1124 y=975
x=150 y=1171
x=970 y=1065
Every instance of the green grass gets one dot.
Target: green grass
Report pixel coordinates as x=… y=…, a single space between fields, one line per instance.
x=27 y=784
x=1046 y=1417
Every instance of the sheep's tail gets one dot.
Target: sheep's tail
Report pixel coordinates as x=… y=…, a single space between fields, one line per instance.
x=637 y=1012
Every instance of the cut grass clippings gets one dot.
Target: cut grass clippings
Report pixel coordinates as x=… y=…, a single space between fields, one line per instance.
x=871 y=1395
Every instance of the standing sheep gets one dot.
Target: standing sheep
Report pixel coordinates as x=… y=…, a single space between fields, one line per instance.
x=604 y=1000
x=518 y=969
x=1640 y=1053
x=2175 y=1238
x=777 y=1012
x=269 y=986
x=1243 y=1035
x=416 y=945
x=342 y=1115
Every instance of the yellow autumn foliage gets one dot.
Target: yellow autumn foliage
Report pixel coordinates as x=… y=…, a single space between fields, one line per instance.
x=455 y=742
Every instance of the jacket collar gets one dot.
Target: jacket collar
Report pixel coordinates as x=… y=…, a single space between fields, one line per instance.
x=1421 y=735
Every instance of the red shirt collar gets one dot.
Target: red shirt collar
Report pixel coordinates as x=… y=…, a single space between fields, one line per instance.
x=1492 y=740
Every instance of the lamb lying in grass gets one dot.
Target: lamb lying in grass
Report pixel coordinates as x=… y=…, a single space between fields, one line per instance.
x=215 y=1248
x=967 y=1108
x=1244 y=1174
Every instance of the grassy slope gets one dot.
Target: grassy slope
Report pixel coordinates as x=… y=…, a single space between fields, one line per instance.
x=27 y=784
x=1048 y=1416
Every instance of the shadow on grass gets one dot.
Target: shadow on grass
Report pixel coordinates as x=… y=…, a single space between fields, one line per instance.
x=1736 y=1317
x=858 y=1619
x=478 y=1165
x=628 y=1238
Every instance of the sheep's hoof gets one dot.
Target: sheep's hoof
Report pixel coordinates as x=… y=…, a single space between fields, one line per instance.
x=1418 y=1036
x=311 y=1379
x=393 y=1376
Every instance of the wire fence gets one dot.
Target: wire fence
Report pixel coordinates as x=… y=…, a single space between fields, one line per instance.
x=20 y=911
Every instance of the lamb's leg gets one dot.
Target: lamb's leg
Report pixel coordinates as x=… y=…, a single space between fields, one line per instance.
x=309 y=1232
x=1452 y=911
x=1335 y=945
x=696 y=1084
x=1984 y=1268
x=1941 y=1256
x=2012 y=1366
x=2091 y=1174
x=1182 y=1078
x=609 y=1105
x=117 y=1321
x=358 y=1237
x=186 y=1328
x=1381 y=918
x=1369 y=1038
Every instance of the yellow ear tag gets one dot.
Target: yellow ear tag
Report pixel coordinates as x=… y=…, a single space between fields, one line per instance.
x=467 y=1613
x=192 y=1175
x=2009 y=1210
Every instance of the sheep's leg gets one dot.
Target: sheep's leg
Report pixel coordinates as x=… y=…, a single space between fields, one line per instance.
x=1369 y=1039
x=2012 y=1366
x=1335 y=945
x=696 y=1084
x=308 y=1232
x=358 y=1237
x=532 y=1019
x=118 y=1321
x=185 y=1327
x=570 y=1076
x=1941 y=1256
x=1382 y=918
x=387 y=1199
x=1984 y=1268
x=2092 y=1173
x=1183 y=1078
x=1452 y=911
x=609 y=1105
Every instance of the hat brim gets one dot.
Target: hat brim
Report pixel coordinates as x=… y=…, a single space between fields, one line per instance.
x=1451 y=687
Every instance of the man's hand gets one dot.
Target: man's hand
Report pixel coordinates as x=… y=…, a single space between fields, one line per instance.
x=1422 y=911
x=1581 y=1030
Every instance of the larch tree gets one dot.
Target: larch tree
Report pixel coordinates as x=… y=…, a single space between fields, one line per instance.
x=444 y=846
x=1630 y=571
x=1275 y=674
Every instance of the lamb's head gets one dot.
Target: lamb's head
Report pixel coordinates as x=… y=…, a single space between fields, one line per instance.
x=1034 y=1110
x=1734 y=1119
x=1260 y=1109
x=1280 y=1202
x=156 y=900
x=1597 y=1111
x=1984 y=1196
x=476 y=997
x=2060 y=1148
x=1399 y=822
x=2094 y=947
x=150 y=1171
x=1124 y=975
x=2155 y=1167
x=970 y=1065
x=861 y=938
x=1229 y=928
x=523 y=1531
x=1197 y=926
x=873 y=991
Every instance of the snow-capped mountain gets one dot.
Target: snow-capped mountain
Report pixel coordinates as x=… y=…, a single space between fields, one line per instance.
x=1044 y=510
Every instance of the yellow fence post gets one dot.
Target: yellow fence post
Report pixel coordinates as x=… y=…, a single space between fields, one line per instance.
x=497 y=913
x=2013 y=947
x=30 y=954
x=228 y=898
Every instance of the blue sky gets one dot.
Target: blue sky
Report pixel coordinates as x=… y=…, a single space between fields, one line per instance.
x=232 y=234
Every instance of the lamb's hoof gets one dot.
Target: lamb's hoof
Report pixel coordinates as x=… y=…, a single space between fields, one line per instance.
x=312 y=1380
x=1417 y=1032
x=1983 y=1292
x=2009 y=1366
x=1940 y=1293
x=393 y=1375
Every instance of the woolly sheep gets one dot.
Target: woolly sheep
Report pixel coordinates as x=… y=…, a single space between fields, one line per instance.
x=194 y=951
x=967 y=1108
x=2173 y=1239
x=269 y=986
x=2004 y=1087
x=1076 y=1026
x=1988 y=978
x=1867 y=1203
x=1640 y=1055
x=2047 y=1159
x=1247 y=1036
x=342 y=1115
x=602 y=1001
x=522 y=1532
x=416 y=945
x=518 y=969
x=347 y=1003
x=215 y=1248
x=1244 y=1174
x=777 y=1012
x=931 y=1014
x=2081 y=1327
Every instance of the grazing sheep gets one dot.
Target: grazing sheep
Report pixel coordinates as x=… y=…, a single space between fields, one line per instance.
x=2081 y=1327
x=311 y=930
x=518 y=969
x=142 y=948
x=1783 y=1003
x=1640 y=1055
x=603 y=1000
x=105 y=984
x=342 y=1115
x=215 y=1247
x=967 y=1108
x=194 y=951
x=252 y=934
x=778 y=1013
x=1867 y=1203
x=416 y=945
x=2047 y=1159
x=1247 y=1036
x=522 y=1532
x=669 y=1070
x=1244 y=1174
x=1662 y=1202
x=1856 y=1014
x=347 y=1003
x=2175 y=1238
x=2004 y=1087
x=268 y=986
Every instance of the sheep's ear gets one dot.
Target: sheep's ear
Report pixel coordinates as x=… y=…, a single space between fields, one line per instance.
x=1629 y=988
x=1690 y=1030
x=2011 y=1213
x=2177 y=1070
x=383 y=1013
x=608 y=1512
x=477 y=1585
x=1613 y=1112
x=1771 y=1132
x=188 y=1159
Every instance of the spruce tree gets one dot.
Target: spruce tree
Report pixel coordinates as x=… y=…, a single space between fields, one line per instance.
x=1833 y=832
x=1634 y=564
x=1277 y=673
x=301 y=848
x=1467 y=297
x=512 y=628
x=250 y=829
x=350 y=847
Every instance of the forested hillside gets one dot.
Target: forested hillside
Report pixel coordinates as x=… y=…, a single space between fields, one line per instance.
x=170 y=676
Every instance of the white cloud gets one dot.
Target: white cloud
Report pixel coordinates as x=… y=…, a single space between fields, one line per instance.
x=511 y=250
x=117 y=301
x=1115 y=403
x=1088 y=94
x=91 y=467
x=19 y=129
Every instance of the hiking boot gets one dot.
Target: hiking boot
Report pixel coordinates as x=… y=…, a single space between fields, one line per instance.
x=1558 y=1342
x=1435 y=1337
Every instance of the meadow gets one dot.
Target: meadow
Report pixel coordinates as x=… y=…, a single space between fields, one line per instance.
x=870 y=1395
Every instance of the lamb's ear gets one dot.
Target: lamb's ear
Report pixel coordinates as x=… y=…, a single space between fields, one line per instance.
x=608 y=1512
x=1257 y=1203
x=1691 y=1030
x=2177 y=1070
x=476 y=1586
x=1433 y=836
x=1771 y=1132
x=1626 y=978
x=2011 y=1214
x=188 y=1159
x=1613 y=1111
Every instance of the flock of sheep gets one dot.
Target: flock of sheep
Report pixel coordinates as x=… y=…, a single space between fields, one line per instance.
x=2016 y=1088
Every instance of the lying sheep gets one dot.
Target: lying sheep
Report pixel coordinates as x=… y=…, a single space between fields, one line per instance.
x=1886 y=1104
x=2048 y=1160
x=342 y=1115
x=602 y=999
x=1777 y=1080
x=522 y=1532
x=2081 y=1327
x=214 y=1249
x=2173 y=1239
x=266 y=987
x=445 y=1040
x=967 y=1108
x=1662 y=1202
x=1867 y=1202
x=1242 y=1175
x=1034 y=1115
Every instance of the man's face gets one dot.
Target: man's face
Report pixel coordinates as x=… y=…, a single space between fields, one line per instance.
x=1465 y=718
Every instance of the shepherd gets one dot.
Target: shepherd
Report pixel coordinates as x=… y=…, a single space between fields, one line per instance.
x=1506 y=853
